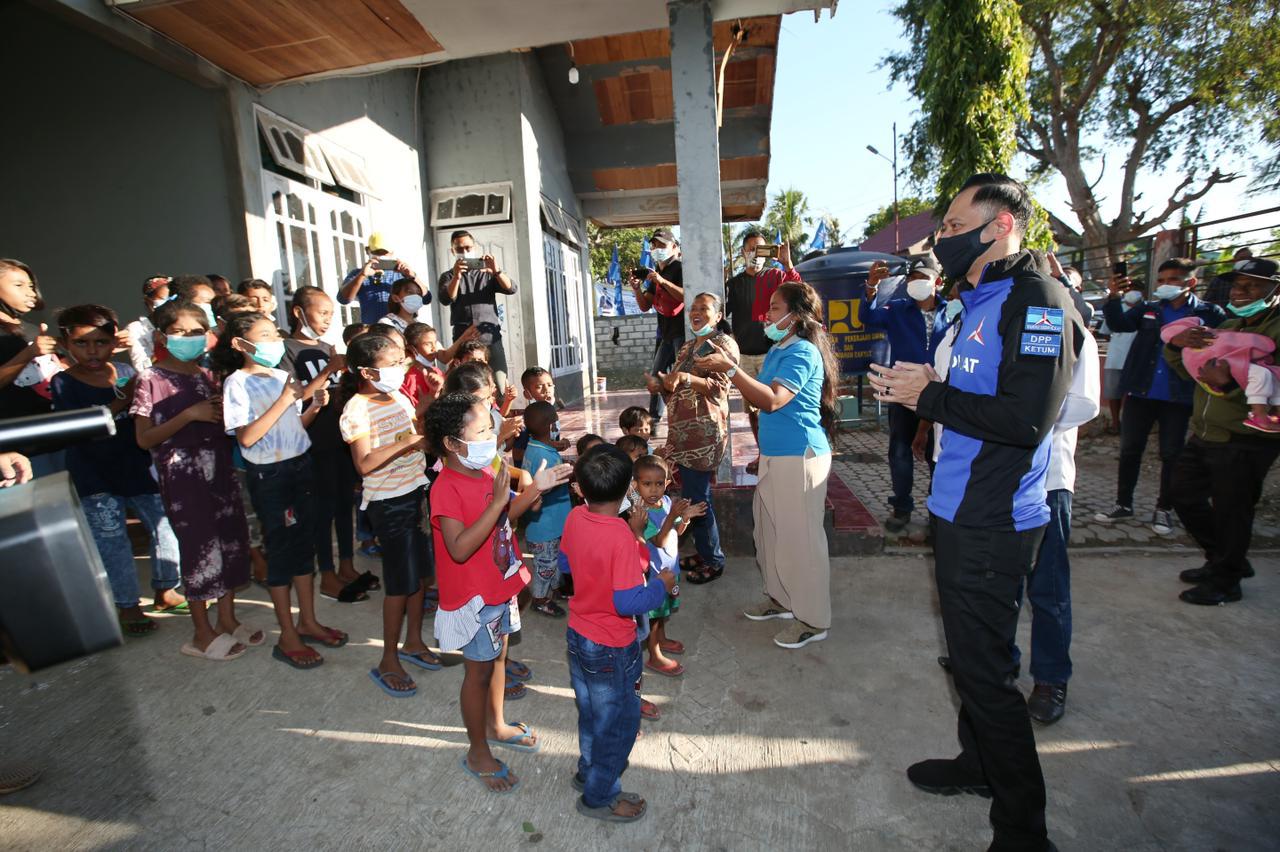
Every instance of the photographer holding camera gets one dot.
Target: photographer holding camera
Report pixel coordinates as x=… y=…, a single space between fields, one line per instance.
x=663 y=290
x=371 y=283
x=472 y=287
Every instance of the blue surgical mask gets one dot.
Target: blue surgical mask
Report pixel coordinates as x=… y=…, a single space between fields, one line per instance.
x=480 y=454
x=954 y=308
x=208 y=314
x=269 y=353
x=412 y=304
x=660 y=255
x=704 y=331
x=776 y=334
x=555 y=431
x=1253 y=308
x=186 y=348
x=1132 y=297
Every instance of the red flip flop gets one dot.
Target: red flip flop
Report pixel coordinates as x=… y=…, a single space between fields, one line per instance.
x=674 y=671
x=649 y=710
x=671 y=646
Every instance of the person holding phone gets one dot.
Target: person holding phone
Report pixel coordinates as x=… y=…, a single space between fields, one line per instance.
x=371 y=283
x=663 y=290
x=697 y=403
x=472 y=286
x=1153 y=393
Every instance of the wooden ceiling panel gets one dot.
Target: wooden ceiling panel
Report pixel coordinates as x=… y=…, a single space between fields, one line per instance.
x=664 y=174
x=267 y=41
x=645 y=94
x=654 y=44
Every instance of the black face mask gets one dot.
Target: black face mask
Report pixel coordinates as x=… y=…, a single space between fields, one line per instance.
x=957 y=254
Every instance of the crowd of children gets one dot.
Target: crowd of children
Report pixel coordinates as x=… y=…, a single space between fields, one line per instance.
x=467 y=504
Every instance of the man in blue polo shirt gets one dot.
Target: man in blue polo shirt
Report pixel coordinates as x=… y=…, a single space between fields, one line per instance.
x=914 y=324
x=371 y=283
x=1153 y=394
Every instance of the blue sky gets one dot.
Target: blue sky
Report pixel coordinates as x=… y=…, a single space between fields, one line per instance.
x=831 y=100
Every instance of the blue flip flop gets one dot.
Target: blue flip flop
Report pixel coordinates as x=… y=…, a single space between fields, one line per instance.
x=417 y=660
x=379 y=678
x=522 y=672
x=501 y=773
x=514 y=740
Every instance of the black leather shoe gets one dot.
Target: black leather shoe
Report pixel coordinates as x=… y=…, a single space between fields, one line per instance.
x=1048 y=702
x=946 y=778
x=1206 y=594
x=897 y=522
x=1203 y=573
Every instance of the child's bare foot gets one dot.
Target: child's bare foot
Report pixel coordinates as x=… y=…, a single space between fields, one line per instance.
x=659 y=660
x=347 y=572
x=487 y=763
x=317 y=632
x=512 y=735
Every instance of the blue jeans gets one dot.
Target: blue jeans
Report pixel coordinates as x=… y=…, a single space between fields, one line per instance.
x=696 y=486
x=902 y=465
x=546 y=567
x=1049 y=591
x=604 y=688
x=106 y=518
x=664 y=357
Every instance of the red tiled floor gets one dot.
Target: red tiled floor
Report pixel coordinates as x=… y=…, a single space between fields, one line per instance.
x=598 y=414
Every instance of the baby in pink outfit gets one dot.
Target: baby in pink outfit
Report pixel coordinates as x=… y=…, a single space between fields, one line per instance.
x=1249 y=357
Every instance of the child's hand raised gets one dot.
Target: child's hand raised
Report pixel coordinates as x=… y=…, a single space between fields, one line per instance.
x=320 y=398
x=545 y=479
x=502 y=485
x=638 y=518
x=680 y=508
x=697 y=510
x=292 y=391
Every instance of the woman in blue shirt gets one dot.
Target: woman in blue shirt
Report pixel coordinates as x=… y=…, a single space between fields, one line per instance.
x=796 y=395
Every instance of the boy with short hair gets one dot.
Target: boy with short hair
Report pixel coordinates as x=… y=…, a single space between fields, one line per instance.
x=546 y=523
x=633 y=445
x=608 y=558
x=538 y=387
x=635 y=420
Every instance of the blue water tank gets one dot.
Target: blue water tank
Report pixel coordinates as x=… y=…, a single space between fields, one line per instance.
x=840 y=277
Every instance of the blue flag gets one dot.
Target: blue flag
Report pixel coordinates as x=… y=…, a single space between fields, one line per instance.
x=777 y=239
x=819 y=237
x=645 y=259
x=615 y=275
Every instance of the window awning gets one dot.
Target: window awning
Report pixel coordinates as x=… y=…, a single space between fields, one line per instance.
x=560 y=223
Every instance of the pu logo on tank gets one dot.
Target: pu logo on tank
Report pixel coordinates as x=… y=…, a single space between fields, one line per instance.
x=842 y=316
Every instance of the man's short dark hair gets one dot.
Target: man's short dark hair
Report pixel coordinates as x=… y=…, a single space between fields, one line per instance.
x=457 y=235
x=997 y=192
x=603 y=474
x=1185 y=265
x=752 y=232
x=183 y=285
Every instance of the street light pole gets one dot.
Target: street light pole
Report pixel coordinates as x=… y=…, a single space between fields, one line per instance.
x=897 y=241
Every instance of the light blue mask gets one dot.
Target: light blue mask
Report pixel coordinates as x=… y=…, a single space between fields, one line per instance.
x=208 y=314
x=704 y=331
x=774 y=333
x=268 y=353
x=186 y=348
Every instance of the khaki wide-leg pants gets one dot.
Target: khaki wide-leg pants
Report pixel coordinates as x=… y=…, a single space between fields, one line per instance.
x=791 y=542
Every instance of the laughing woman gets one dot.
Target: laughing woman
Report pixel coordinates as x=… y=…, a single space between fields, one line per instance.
x=796 y=395
x=697 y=401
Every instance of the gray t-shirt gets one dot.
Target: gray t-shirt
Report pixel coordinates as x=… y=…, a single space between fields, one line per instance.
x=476 y=303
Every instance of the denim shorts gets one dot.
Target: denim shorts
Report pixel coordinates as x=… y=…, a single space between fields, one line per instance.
x=486 y=645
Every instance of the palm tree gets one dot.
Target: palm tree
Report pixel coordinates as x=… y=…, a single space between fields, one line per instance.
x=732 y=247
x=788 y=214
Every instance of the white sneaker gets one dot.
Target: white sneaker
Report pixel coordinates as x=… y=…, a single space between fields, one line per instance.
x=766 y=610
x=1162 y=522
x=798 y=635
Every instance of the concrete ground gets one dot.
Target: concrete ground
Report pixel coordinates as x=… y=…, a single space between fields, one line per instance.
x=1171 y=740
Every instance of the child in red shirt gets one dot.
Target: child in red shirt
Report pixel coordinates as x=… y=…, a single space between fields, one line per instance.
x=480 y=572
x=608 y=557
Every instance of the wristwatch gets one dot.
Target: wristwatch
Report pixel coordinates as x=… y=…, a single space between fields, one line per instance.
x=686 y=380
x=678 y=521
x=731 y=372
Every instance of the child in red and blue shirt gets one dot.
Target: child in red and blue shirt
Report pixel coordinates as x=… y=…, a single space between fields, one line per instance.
x=609 y=558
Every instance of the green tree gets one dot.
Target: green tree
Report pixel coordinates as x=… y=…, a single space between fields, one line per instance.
x=971 y=81
x=883 y=218
x=789 y=213
x=601 y=242
x=835 y=238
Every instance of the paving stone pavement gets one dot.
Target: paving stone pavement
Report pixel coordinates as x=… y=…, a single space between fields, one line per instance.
x=862 y=461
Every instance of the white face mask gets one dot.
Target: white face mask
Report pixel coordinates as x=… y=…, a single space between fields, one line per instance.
x=480 y=454
x=1167 y=291
x=920 y=289
x=412 y=304
x=306 y=330
x=660 y=255
x=389 y=378
x=755 y=264
x=426 y=362
x=1132 y=297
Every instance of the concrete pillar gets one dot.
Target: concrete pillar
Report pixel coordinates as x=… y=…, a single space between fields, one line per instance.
x=693 y=89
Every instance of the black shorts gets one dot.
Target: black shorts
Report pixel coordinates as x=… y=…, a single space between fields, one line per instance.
x=401 y=526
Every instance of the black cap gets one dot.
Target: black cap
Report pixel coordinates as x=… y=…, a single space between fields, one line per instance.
x=924 y=261
x=1258 y=267
x=665 y=235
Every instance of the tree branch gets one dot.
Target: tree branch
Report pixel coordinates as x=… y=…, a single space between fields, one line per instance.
x=1176 y=202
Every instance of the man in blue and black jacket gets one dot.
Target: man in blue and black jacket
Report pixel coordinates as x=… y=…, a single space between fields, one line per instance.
x=1011 y=368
